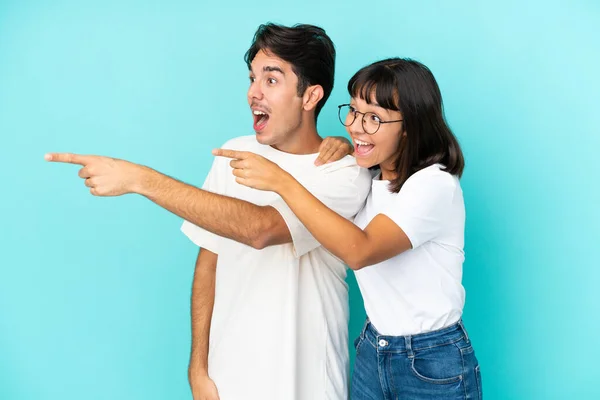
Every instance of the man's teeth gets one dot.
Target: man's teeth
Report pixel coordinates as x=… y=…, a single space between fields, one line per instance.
x=256 y=112
x=361 y=143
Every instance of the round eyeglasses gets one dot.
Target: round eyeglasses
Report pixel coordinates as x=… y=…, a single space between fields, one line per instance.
x=370 y=121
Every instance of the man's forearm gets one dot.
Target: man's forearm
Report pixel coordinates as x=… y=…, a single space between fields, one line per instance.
x=203 y=297
x=232 y=218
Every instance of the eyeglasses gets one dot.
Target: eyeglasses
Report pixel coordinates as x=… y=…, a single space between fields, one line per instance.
x=370 y=121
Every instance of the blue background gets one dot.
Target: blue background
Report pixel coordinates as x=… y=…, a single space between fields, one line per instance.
x=94 y=292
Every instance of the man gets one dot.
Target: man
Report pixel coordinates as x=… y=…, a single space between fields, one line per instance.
x=269 y=304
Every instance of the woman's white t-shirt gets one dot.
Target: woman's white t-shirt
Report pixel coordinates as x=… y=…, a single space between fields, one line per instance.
x=419 y=290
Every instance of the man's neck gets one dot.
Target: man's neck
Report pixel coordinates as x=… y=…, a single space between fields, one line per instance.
x=305 y=140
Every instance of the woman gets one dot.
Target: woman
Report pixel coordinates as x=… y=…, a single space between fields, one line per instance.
x=406 y=244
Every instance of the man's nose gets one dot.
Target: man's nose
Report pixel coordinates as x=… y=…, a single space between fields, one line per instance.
x=255 y=92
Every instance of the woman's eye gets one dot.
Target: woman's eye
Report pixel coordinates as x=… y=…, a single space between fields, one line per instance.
x=272 y=81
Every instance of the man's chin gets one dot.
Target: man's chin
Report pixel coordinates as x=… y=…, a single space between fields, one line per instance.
x=264 y=138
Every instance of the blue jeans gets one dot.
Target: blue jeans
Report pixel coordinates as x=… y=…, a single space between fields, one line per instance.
x=436 y=365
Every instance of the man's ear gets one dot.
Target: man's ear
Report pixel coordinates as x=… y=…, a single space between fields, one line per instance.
x=312 y=96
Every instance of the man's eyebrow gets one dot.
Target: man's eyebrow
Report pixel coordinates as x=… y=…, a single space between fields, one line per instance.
x=269 y=68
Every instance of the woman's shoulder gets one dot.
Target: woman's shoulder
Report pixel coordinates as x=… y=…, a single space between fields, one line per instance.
x=434 y=177
x=433 y=172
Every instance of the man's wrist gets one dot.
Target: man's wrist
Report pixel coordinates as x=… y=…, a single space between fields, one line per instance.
x=197 y=373
x=144 y=180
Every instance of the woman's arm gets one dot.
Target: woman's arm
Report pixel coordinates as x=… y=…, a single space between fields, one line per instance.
x=380 y=240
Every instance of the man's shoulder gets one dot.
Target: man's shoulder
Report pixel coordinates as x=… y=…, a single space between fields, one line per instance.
x=244 y=143
x=346 y=165
x=346 y=169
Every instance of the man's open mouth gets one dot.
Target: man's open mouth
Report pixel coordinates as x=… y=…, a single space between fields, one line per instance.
x=260 y=119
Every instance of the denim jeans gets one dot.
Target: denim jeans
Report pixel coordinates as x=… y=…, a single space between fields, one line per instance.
x=436 y=365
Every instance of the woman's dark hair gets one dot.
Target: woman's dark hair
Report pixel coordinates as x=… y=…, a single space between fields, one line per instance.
x=408 y=86
x=306 y=47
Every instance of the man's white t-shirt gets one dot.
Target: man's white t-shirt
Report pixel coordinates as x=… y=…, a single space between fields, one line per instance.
x=279 y=326
x=419 y=290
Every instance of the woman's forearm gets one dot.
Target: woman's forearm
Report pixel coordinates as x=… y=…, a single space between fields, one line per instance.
x=337 y=234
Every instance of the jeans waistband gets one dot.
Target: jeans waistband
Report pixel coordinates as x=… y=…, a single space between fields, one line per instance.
x=409 y=343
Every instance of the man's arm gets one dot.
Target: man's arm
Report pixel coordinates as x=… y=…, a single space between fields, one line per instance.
x=203 y=298
x=244 y=222
x=239 y=220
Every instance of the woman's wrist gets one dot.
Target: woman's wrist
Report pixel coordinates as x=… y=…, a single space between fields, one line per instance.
x=286 y=184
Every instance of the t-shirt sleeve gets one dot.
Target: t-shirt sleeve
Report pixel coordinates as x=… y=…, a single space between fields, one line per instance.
x=343 y=190
x=422 y=206
x=202 y=237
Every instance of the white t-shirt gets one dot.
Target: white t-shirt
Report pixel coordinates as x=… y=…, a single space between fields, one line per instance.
x=279 y=326
x=419 y=290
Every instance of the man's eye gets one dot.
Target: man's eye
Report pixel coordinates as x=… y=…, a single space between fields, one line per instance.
x=272 y=81
x=252 y=79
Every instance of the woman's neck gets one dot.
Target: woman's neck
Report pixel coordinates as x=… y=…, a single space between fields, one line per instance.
x=388 y=172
